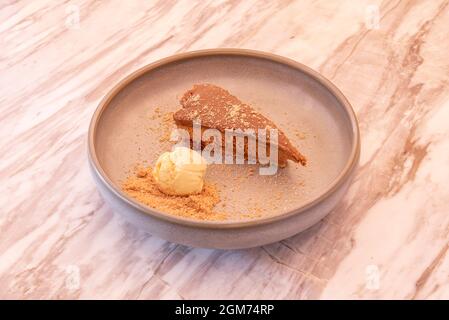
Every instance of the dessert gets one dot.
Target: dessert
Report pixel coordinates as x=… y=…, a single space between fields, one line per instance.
x=180 y=172
x=217 y=109
x=176 y=182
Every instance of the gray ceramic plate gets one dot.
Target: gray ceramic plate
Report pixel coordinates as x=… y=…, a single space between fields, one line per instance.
x=126 y=130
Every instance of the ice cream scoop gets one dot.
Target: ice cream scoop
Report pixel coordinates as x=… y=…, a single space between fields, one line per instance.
x=180 y=172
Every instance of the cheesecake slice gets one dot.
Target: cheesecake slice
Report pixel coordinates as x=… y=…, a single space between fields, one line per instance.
x=216 y=108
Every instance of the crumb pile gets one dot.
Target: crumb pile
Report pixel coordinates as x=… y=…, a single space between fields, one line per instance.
x=142 y=187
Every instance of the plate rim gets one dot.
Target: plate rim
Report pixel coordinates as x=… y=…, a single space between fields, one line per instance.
x=342 y=177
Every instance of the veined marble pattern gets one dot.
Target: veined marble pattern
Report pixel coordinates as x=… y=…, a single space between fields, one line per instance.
x=387 y=239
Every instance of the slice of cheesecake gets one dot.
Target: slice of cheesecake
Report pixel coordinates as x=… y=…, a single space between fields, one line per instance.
x=216 y=108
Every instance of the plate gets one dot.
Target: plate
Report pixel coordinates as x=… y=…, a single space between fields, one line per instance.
x=128 y=128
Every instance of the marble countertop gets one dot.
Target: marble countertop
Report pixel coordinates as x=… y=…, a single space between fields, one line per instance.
x=388 y=238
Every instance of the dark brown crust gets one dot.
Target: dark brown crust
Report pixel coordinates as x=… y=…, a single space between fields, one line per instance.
x=218 y=109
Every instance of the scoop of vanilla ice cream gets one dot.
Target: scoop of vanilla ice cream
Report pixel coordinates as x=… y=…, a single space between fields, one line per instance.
x=180 y=172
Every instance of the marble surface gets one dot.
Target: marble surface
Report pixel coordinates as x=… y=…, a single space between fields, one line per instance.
x=388 y=238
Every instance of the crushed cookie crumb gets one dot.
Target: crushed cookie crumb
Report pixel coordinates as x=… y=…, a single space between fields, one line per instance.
x=165 y=126
x=141 y=186
x=300 y=135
